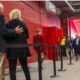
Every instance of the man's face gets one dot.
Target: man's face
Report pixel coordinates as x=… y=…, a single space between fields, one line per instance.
x=1 y=10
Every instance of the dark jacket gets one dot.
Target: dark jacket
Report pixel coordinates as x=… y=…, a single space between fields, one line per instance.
x=18 y=39
x=68 y=43
x=38 y=38
x=76 y=47
x=74 y=42
x=4 y=32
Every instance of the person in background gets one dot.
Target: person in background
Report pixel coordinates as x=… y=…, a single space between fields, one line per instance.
x=63 y=46
x=76 y=45
x=38 y=38
x=72 y=43
x=68 y=47
x=4 y=31
x=18 y=53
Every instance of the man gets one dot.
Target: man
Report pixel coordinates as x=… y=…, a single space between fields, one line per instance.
x=76 y=44
x=68 y=46
x=5 y=32
x=63 y=46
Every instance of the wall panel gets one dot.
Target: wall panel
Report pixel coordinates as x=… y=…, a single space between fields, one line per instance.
x=33 y=19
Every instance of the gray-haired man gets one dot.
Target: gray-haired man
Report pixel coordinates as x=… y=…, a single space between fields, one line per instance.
x=5 y=32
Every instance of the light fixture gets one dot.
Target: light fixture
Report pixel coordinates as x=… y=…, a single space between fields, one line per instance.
x=70 y=6
x=50 y=7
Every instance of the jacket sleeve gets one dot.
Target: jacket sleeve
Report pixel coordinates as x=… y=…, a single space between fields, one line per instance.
x=27 y=33
x=6 y=32
x=26 y=30
x=34 y=39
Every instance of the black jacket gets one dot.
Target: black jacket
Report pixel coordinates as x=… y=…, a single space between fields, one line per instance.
x=4 y=32
x=18 y=39
x=68 y=43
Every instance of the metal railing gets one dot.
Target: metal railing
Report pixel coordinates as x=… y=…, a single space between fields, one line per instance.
x=39 y=55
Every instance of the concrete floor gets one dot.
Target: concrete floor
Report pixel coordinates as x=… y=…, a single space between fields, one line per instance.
x=72 y=71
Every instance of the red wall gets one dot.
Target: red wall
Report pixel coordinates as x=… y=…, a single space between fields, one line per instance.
x=34 y=16
x=75 y=26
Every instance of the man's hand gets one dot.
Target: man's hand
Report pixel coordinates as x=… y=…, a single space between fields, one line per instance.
x=18 y=30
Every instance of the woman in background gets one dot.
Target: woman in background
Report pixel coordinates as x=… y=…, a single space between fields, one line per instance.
x=18 y=53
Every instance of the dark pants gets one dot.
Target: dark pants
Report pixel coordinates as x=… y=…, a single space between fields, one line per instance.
x=77 y=51
x=12 y=68
x=63 y=51
x=59 y=51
